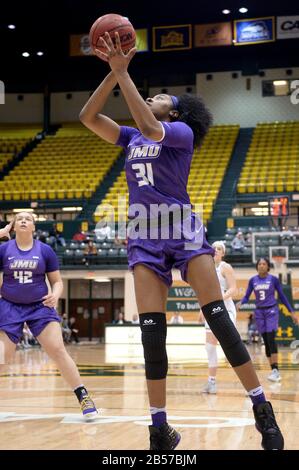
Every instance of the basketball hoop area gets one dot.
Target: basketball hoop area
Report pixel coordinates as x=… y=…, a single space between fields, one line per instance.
x=281 y=248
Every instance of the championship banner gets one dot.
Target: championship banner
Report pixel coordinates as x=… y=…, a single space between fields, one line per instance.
x=254 y=31
x=172 y=38
x=79 y=43
x=287 y=27
x=213 y=34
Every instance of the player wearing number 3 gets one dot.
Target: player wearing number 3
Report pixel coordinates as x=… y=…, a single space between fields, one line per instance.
x=25 y=263
x=266 y=314
x=158 y=159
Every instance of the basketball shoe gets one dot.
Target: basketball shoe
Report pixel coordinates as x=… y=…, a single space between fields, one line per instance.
x=88 y=408
x=164 y=437
x=210 y=387
x=274 y=376
x=266 y=424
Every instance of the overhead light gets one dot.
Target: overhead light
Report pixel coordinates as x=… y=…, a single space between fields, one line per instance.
x=25 y=54
x=280 y=82
x=263 y=203
x=243 y=10
x=22 y=210
x=40 y=53
x=11 y=26
x=226 y=12
x=72 y=209
x=101 y=279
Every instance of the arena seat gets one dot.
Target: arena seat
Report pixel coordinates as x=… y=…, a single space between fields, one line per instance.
x=69 y=164
x=207 y=170
x=272 y=161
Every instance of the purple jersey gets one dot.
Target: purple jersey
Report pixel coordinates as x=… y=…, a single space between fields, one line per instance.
x=157 y=172
x=24 y=271
x=264 y=290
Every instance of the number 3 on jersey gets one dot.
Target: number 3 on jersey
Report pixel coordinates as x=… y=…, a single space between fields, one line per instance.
x=262 y=294
x=24 y=277
x=144 y=173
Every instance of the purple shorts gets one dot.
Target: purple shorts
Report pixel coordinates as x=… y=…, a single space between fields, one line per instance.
x=267 y=319
x=161 y=255
x=13 y=316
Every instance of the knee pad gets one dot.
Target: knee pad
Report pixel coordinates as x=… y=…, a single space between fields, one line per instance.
x=272 y=343
x=212 y=354
x=225 y=331
x=153 y=337
x=267 y=345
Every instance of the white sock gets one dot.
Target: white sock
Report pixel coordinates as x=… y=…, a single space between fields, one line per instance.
x=155 y=410
x=212 y=379
x=256 y=391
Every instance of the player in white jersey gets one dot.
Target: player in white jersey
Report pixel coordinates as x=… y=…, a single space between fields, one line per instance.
x=227 y=282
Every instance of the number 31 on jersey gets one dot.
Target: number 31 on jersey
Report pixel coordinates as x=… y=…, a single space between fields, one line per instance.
x=144 y=173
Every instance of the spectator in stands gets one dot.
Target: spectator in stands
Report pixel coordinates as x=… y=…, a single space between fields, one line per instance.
x=248 y=237
x=253 y=333
x=79 y=236
x=287 y=234
x=121 y=241
x=60 y=239
x=90 y=248
x=176 y=319
x=74 y=330
x=66 y=331
x=52 y=239
x=238 y=243
x=120 y=319
x=89 y=251
x=28 y=338
x=103 y=230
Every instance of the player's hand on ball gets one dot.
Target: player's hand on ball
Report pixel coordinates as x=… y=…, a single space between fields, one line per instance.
x=50 y=300
x=4 y=232
x=117 y=59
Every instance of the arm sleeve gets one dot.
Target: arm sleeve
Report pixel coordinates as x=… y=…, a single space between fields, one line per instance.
x=50 y=258
x=281 y=295
x=248 y=292
x=177 y=134
x=126 y=134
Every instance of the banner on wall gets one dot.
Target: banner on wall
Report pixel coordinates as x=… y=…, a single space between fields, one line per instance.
x=213 y=34
x=172 y=38
x=287 y=27
x=254 y=31
x=79 y=43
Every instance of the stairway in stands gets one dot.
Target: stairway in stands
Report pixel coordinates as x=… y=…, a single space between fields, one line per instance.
x=227 y=195
x=102 y=189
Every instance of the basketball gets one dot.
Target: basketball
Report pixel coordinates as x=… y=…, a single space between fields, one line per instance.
x=112 y=23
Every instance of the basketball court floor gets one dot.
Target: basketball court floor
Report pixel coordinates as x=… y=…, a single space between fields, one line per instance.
x=37 y=410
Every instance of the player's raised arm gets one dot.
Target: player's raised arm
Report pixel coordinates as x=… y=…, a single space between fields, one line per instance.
x=4 y=232
x=91 y=115
x=146 y=122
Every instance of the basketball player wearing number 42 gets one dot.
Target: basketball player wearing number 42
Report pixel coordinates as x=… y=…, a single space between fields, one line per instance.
x=266 y=313
x=170 y=127
x=25 y=263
